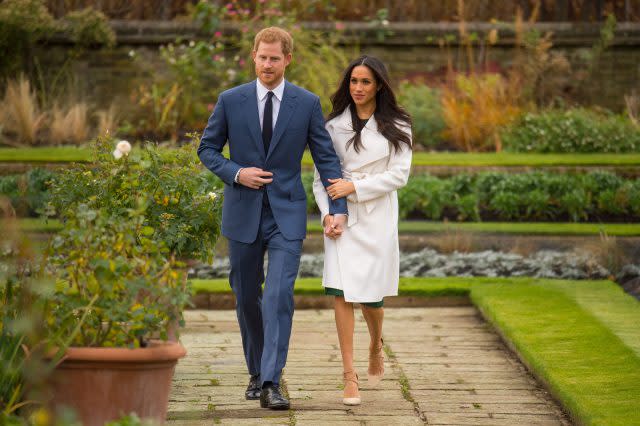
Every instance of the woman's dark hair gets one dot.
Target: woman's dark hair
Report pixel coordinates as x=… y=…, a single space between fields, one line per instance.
x=388 y=114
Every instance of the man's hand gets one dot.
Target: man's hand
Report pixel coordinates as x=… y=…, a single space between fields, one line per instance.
x=340 y=188
x=254 y=177
x=334 y=225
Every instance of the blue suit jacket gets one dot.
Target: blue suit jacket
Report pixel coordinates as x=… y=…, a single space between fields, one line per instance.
x=300 y=123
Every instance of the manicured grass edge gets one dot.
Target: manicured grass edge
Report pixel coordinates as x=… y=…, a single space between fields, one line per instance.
x=439 y=159
x=584 y=364
x=425 y=227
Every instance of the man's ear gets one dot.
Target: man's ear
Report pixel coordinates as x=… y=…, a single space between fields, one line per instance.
x=253 y=55
x=288 y=58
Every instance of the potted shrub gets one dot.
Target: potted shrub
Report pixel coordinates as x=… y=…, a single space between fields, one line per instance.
x=127 y=218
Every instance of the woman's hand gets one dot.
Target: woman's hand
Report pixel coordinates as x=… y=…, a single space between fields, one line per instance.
x=340 y=188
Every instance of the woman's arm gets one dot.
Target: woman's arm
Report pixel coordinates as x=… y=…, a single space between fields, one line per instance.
x=320 y=194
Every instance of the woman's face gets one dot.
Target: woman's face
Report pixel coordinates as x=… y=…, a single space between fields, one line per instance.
x=363 y=86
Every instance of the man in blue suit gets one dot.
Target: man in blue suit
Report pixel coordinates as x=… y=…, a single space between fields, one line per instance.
x=267 y=123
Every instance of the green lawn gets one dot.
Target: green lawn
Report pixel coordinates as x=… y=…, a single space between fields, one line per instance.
x=504 y=159
x=531 y=228
x=425 y=227
x=521 y=159
x=66 y=154
x=45 y=155
x=579 y=337
x=39 y=225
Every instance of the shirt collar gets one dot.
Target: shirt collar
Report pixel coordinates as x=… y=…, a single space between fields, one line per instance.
x=278 y=91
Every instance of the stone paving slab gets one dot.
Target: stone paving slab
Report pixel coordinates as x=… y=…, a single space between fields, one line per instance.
x=444 y=366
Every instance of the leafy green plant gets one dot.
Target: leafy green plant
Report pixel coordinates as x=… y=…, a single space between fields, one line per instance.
x=573 y=130
x=28 y=193
x=577 y=204
x=182 y=203
x=89 y=27
x=533 y=196
x=22 y=23
x=423 y=103
x=28 y=350
x=130 y=281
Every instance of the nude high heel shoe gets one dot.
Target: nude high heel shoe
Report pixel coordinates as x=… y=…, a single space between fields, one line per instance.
x=350 y=379
x=376 y=364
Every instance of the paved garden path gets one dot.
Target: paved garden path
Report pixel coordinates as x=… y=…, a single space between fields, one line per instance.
x=445 y=366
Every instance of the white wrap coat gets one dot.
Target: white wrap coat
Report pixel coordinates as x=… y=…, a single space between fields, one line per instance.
x=364 y=261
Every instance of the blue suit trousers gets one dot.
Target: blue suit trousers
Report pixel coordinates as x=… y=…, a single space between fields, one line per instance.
x=265 y=317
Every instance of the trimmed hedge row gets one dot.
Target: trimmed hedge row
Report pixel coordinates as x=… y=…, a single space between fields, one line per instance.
x=535 y=196
x=597 y=196
x=572 y=130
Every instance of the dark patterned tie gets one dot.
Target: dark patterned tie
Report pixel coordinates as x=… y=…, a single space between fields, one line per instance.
x=267 y=122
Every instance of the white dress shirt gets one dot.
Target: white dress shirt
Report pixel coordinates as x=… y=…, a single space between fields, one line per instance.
x=276 y=99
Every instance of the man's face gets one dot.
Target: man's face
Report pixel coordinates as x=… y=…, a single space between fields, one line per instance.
x=270 y=63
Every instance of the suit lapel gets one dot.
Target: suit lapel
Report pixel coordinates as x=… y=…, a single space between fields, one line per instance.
x=253 y=120
x=287 y=106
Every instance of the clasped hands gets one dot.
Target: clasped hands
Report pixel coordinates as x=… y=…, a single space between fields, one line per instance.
x=334 y=225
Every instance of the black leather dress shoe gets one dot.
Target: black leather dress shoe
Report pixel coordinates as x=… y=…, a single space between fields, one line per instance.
x=272 y=398
x=253 y=390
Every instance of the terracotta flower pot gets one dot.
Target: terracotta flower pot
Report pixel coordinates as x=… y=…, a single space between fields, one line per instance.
x=102 y=384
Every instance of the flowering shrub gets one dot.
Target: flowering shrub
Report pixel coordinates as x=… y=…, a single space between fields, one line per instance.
x=181 y=205
x=127 y=217
x=573 y=130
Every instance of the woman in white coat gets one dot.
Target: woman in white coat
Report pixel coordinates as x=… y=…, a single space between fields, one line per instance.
x=372 y=136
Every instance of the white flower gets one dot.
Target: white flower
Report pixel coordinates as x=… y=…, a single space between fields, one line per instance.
x=212 y=195
x=192 y=43
x=385 y=23
x=132 y=53
x=124 y=147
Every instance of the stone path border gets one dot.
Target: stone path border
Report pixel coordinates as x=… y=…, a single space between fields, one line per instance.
x=444 y=366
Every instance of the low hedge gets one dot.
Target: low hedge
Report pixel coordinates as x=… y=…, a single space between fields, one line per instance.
x=573 y=130
x=597 y=196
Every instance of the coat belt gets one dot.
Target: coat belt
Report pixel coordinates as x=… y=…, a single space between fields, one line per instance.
x=352 y=203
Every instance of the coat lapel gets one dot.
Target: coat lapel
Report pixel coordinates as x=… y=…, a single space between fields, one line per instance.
x=287 y=106
x=253 y=120
x=374 y=145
